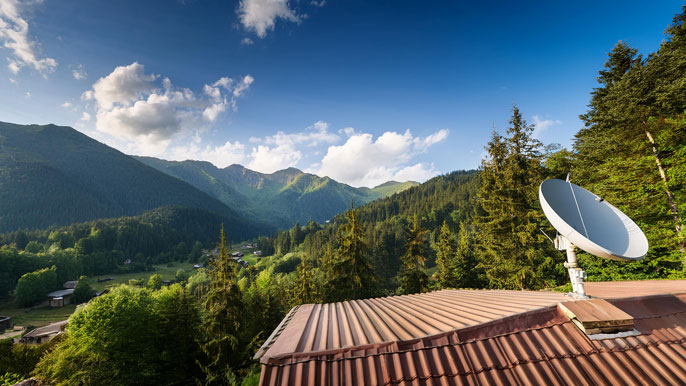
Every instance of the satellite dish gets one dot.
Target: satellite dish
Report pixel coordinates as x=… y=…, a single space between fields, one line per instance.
x=585 y=220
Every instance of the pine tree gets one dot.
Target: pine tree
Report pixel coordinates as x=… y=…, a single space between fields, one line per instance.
x=350 y=273
x=466 y=272
x=632 y=147
x=513 y=252
x=413 y=276
x=305 y=287
x=223 y=309
x=445 y=258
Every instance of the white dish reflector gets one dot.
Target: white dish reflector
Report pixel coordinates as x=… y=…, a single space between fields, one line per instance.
x=591 y=223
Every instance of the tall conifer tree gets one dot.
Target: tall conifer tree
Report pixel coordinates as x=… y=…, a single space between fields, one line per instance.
x=445 y=258
x=413 y=276
x=631 y=150
x=350 y=273
x=305 y=288
x=223 y=310
x=513 y=252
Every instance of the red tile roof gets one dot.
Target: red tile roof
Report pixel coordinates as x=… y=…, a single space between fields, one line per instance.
x=535 y=348
x=475 y=337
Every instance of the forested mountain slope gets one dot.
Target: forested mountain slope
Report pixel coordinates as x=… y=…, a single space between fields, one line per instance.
x=449 y=198
x=54 y=175
x=280 y=198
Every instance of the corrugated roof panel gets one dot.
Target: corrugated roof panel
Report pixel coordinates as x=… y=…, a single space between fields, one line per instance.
x=623 y=289
x=333 y=326
x=537 y=347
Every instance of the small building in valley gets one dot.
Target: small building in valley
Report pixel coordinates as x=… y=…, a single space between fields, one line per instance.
x=5 y=323
x=44 y=334
x=71 y=284
x=61 y=297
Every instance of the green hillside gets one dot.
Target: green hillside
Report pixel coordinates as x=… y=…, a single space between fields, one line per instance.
x=279 y=199
x=54 y=175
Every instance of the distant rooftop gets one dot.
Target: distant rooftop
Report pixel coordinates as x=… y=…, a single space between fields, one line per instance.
x=52 y=328
x=61 y=293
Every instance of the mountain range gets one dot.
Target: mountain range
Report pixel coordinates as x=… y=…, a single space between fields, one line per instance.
x=280 y=198
x=55 y=175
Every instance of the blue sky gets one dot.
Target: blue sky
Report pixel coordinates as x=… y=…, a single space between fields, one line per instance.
x=362 y=91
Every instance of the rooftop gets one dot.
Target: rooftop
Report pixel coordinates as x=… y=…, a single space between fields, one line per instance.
x=317 y=327
x=623 y=289
x=61 y=293
x=52 y=328
x=483 y=337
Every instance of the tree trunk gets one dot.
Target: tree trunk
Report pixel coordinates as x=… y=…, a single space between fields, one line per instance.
x=670 y=198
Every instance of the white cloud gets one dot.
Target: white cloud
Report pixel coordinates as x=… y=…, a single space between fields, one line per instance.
x=143 y=117
x=66 y=105
x=85 y=117
x=417 y=172
x=243 y=85
x=87 y=95
x=320 y=3
x=267 y=159
x=221 y=156
x=246 y=41
x=14 y=35
x=27 y=95
x=281 y=150
x=260 y=15
x=363 y=161
x=123 y=85
x=541 y=125
x=212 y=112
x=79 y=73
x=348 y=131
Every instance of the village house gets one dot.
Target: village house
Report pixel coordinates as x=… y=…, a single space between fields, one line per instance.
x=43 y=334
x=60 y=298
x=5 y=323
x=70 y=284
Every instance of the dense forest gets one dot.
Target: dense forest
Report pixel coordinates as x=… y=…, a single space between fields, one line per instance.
x=466 y=229
x=101 y=247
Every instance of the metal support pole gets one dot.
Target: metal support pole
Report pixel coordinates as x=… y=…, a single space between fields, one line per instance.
x=576 y=274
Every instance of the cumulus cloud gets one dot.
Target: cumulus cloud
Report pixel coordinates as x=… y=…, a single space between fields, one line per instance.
x=14 y=35
x=246 y=41
x=85 y=117
x=145 y=110
x=281 y=150
x=260 y=16
x=541 y=125
x=221 y=156
x=123 y=85
x=363 y=161
x=79 y=72
x=66 y=105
